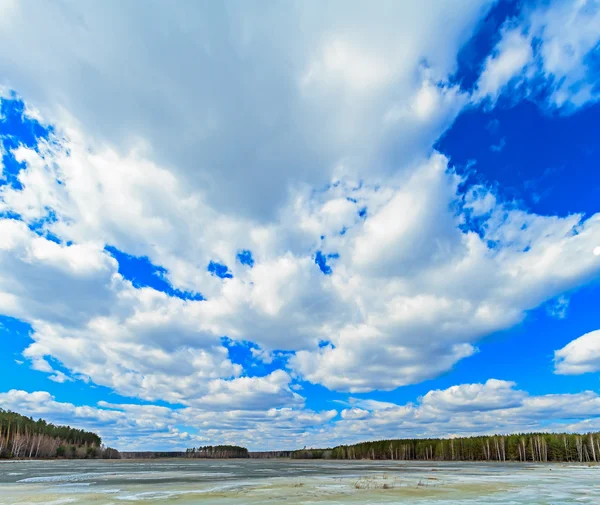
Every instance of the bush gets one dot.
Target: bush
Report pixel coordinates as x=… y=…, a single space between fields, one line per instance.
x=60 y=451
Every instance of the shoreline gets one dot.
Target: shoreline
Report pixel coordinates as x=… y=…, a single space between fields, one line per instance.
x=350 y=462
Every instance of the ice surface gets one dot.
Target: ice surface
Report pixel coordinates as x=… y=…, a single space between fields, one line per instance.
x=247 y=482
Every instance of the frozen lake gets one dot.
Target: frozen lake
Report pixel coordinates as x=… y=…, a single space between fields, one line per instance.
x=294 y=482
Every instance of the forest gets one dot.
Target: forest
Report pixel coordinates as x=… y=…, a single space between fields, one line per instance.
x=535 y=447
x=23 y=437
x=217 y=451
x=206 y=452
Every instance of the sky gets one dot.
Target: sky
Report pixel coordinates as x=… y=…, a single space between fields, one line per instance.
x=293 y=224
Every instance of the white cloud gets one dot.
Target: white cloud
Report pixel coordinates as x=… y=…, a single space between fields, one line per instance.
x=467 y=409
x=570 y=33
x=370 y=404
x=425 y=233
x=152 y=427
x=512 y=54
x=44 y=280
x=552 y=44
x=59 y=377
x=558 y=308
x=409 y=296
x=250 y=392
x=423 y=292
x=492 y=395
x=579 y=356
x=343 y=65
x=138 y=342
x=230 y=96
x=354 y=413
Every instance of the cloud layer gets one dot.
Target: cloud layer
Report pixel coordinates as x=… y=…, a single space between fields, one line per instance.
x=496 y=406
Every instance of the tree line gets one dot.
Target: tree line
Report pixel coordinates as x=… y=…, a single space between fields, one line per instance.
x=217 y=451
x=535 y=447
x=23 y=437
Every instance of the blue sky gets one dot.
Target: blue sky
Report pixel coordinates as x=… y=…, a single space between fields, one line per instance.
x=301 y=224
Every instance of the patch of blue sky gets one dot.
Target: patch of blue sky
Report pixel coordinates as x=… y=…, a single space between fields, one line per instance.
x=9 y=214
x=471 y=222
x=548 y=160
x=17 y=129
x=244 y=256
x=219 y=270
x=321 y=261
x=15 y=370
x=320 y=398
x=473 y=54
x=39 y=226
x=58 y=367
x=248 y=355
x=141 y=272
x=592 y=67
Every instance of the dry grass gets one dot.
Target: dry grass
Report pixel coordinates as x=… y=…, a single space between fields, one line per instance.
x=371 y=483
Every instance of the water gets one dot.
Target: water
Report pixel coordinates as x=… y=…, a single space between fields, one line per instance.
x=247 y=482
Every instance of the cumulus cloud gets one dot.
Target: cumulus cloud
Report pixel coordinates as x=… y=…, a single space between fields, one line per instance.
x=579 y=356
x=409 y=292
x=50 y=280
x=428 y=291
x=310 y=88
x=251 y=392
x=492 y=395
